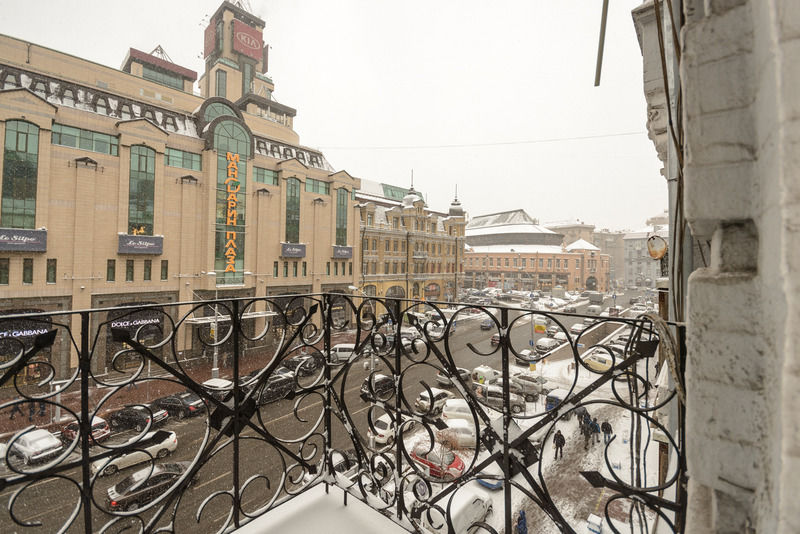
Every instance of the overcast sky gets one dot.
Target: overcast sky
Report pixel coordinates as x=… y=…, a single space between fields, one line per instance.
x=495 y=97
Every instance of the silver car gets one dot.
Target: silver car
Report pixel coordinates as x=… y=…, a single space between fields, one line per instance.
x=156 y=444
x=36 y=446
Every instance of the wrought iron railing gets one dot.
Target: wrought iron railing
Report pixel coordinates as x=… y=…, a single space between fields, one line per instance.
x=361 y=393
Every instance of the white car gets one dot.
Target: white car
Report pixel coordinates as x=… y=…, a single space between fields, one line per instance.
x=36 y=446
x=456 y=409
x=459 y=433
x=157 y=444
x=469 y=506
x=385 y=430
x=439 y=397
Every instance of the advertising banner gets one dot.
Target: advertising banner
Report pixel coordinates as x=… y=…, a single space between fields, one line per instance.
x=293 y=250
x=210 y=39
x=341 y=253
x=247 y=40
x=140 y=244
x=17 y=240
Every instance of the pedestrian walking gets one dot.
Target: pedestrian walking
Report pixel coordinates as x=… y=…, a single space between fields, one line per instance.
x=558 y=443
x=31 y=411
x=14 y=411
x=607 y=430
x=595 y=430
x=42 y=408
x=587 y=435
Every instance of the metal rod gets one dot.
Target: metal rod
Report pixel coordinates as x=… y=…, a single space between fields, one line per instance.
x=599 y=67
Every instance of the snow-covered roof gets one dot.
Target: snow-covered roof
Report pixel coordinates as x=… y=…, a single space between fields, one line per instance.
x=581 y=244
x=513 y=217
x=646 y=232
x=510 y=249
x=508 y=229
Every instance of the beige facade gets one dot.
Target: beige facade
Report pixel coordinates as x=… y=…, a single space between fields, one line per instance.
x=410 y=251
x=134 y=193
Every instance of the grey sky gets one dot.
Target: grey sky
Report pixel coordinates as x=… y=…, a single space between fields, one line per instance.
x=371 y=77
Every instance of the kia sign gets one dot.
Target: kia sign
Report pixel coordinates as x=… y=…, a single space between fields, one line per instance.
x=247 y=40
x=16 y=240
x=293 y=250
x=140 y=244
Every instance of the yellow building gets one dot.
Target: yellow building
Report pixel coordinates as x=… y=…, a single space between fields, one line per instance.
x=407 y=249
x=123 y=187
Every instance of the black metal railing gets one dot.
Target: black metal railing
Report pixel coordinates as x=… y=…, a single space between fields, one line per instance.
x=207 y=415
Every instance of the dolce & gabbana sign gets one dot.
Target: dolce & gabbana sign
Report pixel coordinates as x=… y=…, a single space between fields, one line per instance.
x=140 y=244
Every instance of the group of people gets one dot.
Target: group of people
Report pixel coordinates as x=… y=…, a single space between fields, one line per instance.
x=590 y=429
x=16 y=409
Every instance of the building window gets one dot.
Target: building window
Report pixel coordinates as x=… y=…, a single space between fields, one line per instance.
x=147 y=270
x=20 y=171
x=374 y=244
x=51 y=270
x=265 y=176
x=394 y=268
x=317 y=186
x=350 y=268
x=292 y=210
x=141 y=194
x=124 y=111
x=370 y=218
x=164 y=269
x=341 y=216
x=247 y=78
x=541 y=263
x=304 y=269
x=162 y=77
x=491 y=262
x=403 y=246
x=4 y=271
x=285 y=269
x=111 y=270
x=336 y=269
x=27 y=271
x=558 y=263
x=388 y=245
x=275 y=269
x=100 y=106
x=222 y=83
x=185 y=160
x=374 y=267
x=549 y=263
x=85 y=139
x=129 y=270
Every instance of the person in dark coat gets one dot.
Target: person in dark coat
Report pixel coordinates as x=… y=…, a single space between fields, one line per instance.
x=594 y=427
x=558 y=443
x=587 y=435
x=606 y=428
x=15 y=410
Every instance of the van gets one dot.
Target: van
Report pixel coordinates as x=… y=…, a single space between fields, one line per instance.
x=469 y=506
x=342 y=352
x=545 y=345
x=594 y=309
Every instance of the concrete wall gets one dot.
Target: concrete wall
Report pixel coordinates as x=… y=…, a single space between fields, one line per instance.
x=739 y=71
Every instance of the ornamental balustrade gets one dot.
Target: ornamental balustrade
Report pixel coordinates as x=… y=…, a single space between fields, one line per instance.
x=336 y=390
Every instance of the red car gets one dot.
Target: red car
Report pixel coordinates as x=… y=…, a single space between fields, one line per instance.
x=439 y=462
x=100 y=431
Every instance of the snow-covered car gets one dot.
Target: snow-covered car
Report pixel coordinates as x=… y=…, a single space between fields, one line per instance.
x=38 y=445
x=577 y=328
x=424 y=404
x=439 y=463
x=100 y=431
x=525 y=357
x=459 y=433
x=456 y=409
x=156 y=444
x=444 y=379
x=384 y=429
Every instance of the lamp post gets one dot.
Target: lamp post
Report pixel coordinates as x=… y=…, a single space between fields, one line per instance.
x=214 y=367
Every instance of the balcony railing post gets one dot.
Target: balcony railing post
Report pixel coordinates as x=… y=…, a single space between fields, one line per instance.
x=85 y=424
x=326 y=396
x=236 y=325
x=506 y=416
x=398 y=344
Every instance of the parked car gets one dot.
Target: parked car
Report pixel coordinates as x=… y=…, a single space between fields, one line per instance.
x=277 y=386
x=552 y=330
x=342 y=352
x=305 y=363
x=545 y=345
x=532 y=383
x=382 y=388
x=456 y=409
x=137 y=416
x=219 y=388
x=634 y=300
x=469 y=506
x=487 y=324
x=423 y=402
x=483 y=374
x=444 y=378
x=144 y=486
x=157 y=444
x=529 y=390
x=570 y=308
x=38 y=445
x=577 y=328
x=181 y=405
x=492 y=396
x=438 y=463
x=555 y=398
x=384 y=429
x=495 y=339
x=561 y=337
x=100 y=431
x=459 y=433
x=525 y=357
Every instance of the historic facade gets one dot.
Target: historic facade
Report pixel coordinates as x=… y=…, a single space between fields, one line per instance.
x=406 y=249
x=122 y=186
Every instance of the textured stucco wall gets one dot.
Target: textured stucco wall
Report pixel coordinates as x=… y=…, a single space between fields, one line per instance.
x=740 y=71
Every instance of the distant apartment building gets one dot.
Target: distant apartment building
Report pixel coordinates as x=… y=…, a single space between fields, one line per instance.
x=640 y=268
x=408 y=250
x=613 y=244
x=510 y=250
x=571 y=230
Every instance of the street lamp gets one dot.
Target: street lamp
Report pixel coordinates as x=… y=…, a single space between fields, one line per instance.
x=214 y=368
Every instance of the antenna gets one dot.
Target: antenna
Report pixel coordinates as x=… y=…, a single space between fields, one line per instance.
x=456 y=192
x=243 y=4
x=412 y=178
x=158 y=51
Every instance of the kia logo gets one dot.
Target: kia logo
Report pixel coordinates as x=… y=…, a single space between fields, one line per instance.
x=247 y=40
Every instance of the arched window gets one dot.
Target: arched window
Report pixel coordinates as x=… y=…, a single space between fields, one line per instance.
x=141 y=193
x=292 y=210
x=20 y=171
x=217 y=109
x=232 y=143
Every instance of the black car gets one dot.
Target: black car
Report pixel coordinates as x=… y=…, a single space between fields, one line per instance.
x=137 y=417
x=487 y=324
x=278 y=385
x=382 y=386
x=305 y=364
x=181 y=405
x=144 y=486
